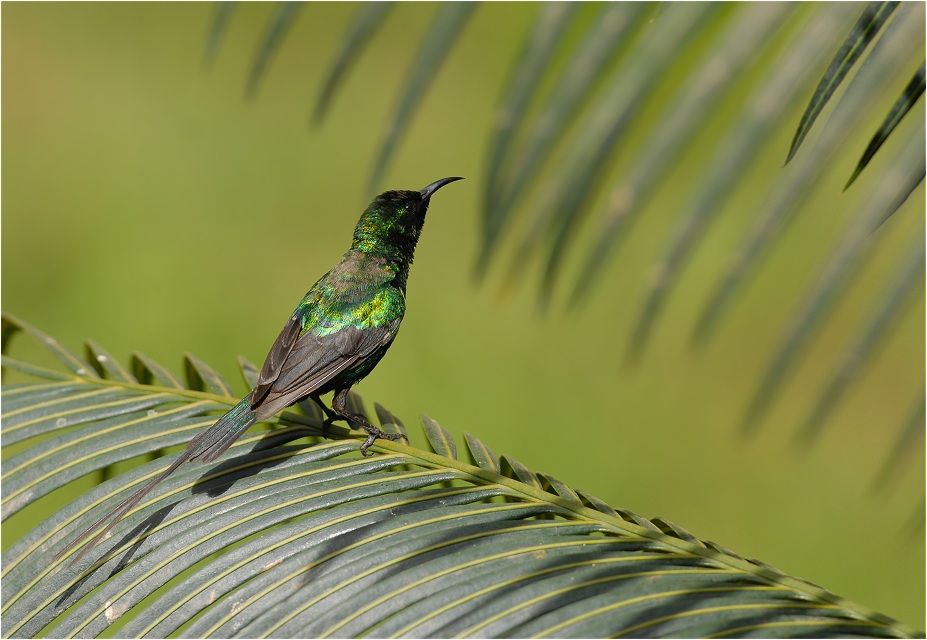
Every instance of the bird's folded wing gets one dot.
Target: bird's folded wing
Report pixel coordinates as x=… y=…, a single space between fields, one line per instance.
x=314 y=360
x=275 y=359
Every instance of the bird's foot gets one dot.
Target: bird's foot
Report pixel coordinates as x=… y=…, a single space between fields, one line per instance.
x=374 y=433
x=339 y=412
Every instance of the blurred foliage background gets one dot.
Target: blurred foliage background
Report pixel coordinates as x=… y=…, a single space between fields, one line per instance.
x=148 y=206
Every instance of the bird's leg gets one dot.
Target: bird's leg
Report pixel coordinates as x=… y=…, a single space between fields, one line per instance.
x=338 y=407
x=330 y=416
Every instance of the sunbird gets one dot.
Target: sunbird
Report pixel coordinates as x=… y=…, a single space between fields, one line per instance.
x=336 y=336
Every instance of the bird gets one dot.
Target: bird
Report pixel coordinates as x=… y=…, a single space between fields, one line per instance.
x=336 y=335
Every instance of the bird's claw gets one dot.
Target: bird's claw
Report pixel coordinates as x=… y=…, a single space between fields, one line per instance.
x=354 y=421
x=373 y=434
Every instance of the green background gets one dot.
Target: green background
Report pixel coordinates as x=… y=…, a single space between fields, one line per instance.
x=148 y=206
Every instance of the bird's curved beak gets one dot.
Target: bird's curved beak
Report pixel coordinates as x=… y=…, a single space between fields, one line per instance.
x=434 y=186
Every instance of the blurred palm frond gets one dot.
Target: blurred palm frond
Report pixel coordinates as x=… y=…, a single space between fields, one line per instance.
x=603 y=103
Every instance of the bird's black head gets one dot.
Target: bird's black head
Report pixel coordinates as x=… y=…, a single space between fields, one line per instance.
x=393 y=222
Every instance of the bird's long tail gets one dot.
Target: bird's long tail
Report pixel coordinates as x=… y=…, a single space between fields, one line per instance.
x=213 y=442
x=205 y=447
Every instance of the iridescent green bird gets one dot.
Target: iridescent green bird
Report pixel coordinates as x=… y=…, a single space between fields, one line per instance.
x=336 y=336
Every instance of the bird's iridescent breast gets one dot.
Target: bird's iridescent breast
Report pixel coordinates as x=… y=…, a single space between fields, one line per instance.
x=362 y=297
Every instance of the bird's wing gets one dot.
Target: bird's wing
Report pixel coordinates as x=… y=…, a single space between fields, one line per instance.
x=314 y=360
x=277 y=356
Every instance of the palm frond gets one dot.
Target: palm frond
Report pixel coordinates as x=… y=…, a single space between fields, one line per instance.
x=608 y=37
x=554 y=154
x=284 y=537
x=369 y=17
x=834 y=276
x=910 y=440
x=900 y=109
x=864 y=31
x=437 y=43
x=735 y=152
x=733 y=51
x=899 y=290
x=549 y=29
x=587 y=156
x=786 y=196
x=276 y=31
x=220 y=21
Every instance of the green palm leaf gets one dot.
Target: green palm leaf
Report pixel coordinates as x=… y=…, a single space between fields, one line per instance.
x=733 y=157
x=900 y=109
x=561 y=143
x=547 y=32
x=587 y=156
x=910 y=441
x=286 y=537
x=368 y=19
x=606 y=38
x=733 y=51
x=835 y=274
x=436 y=45
x=785 y=197
x=864 y=31
x=899 y=292
x=279 y=24
x=220 y=22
